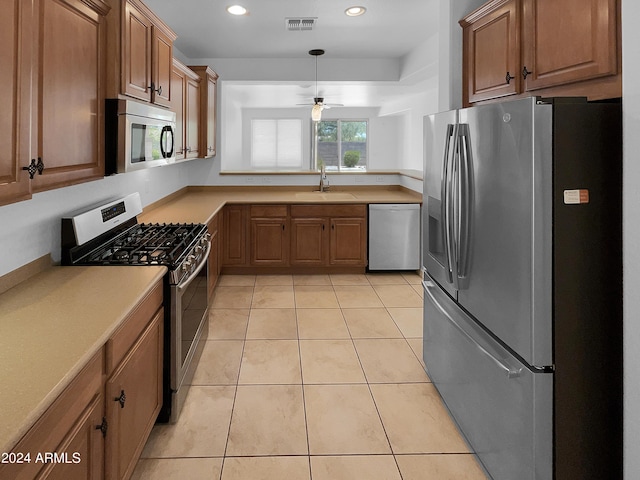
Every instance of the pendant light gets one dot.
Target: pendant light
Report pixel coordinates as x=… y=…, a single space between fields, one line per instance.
x=316 y=110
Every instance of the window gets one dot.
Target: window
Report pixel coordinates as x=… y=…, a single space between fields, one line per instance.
x=342 y=145
x=276 y=143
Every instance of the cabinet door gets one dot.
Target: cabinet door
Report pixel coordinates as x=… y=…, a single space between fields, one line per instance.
x=192 y=112
x=568 y=41
x=162 y=60
x=70 y=120
x=133 y=398
x=210 y=145
x=234 y=235
x=348 y=244
x=136 y=54
x=178 y=93
x=270 y=241
x=84 y=447
x=16 y=33
x=309 y=241
x=491 y=51
x=214 y=254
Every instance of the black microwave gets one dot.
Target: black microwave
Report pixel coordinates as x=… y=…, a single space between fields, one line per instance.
x=137 y=136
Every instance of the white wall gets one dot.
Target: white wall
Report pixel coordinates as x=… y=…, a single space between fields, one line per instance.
x=31 y=229
x=631 y=234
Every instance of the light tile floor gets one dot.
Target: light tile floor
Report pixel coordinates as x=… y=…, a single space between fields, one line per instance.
x=312 y=377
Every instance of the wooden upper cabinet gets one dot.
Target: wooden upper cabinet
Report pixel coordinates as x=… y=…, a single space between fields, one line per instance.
x=136 y=55
x=162 y=62
x=491 y=39
x=192 y=117
x=208 y=105
x=185 y=102
x=70 y=92
x=141 y=47
x=17 y=30
x=568 y=41
x=547 y=47
x=54 y=90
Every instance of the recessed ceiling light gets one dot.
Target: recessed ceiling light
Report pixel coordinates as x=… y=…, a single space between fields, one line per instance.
x=237 y=10
x=355 y=11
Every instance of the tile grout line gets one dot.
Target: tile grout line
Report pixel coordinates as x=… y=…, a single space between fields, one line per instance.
x=304 y=402
x=235 y=395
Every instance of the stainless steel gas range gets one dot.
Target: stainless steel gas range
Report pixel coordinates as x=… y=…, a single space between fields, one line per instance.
x=110 y=234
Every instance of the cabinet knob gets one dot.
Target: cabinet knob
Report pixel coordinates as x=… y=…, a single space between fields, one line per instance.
x=154 y=89
x=525 y=72
x=103 y=427
x=34 y=167
x=121 y=399
x=508 y=78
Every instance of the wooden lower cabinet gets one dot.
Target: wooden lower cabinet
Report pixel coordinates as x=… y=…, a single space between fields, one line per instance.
x=269 y=236
x=134 y=397
x=214 y=254
x=294 y=238
x=235 y=235
x=69 y=428
x=348 y=244
x=96 y=430
x=309 y=240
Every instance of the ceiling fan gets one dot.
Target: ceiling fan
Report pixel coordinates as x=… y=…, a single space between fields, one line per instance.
x=318 y=102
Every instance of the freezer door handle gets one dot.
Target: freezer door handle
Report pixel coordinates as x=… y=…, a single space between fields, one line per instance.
x=510 y=372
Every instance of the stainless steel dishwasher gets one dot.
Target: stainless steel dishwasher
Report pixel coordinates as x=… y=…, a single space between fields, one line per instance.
x=394 y=236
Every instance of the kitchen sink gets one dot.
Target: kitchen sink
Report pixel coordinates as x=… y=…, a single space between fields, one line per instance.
x=318 y=195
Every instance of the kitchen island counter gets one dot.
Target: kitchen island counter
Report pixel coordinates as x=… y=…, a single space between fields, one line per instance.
x=51 y=325
x=200 y=204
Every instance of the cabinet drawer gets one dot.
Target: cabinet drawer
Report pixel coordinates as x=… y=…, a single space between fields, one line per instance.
x=268 y=211
x=337 y=210
x=125 y=336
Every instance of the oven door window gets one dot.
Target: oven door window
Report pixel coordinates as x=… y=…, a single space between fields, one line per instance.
x=193 y=307
x=150 y=142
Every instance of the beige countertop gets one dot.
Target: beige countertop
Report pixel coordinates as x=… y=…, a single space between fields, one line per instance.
x=50 y=327
x=200 y=204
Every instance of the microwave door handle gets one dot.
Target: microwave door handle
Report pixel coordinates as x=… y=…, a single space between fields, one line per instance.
x=169 y=131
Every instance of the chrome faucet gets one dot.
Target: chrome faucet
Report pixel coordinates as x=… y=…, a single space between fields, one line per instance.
x=324 y=182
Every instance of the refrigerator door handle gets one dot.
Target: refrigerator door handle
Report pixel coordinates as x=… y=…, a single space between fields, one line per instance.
x=465 y=206
x=509 y=371
x=447 y=179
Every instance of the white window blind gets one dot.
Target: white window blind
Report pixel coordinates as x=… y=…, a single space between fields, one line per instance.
x=276 y=143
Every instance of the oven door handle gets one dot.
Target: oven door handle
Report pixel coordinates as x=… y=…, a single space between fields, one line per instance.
x=185 y=283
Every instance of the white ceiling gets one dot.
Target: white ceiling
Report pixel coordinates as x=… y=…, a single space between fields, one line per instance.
x=389 y=28
x=388 y=32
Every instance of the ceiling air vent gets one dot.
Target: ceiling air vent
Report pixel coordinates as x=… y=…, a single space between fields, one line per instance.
x=300 y=24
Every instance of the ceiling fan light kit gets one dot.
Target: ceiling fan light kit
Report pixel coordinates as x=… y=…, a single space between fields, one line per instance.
x=316 y=110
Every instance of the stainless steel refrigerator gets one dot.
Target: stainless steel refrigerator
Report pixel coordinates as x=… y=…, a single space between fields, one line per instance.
x=522 y=254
